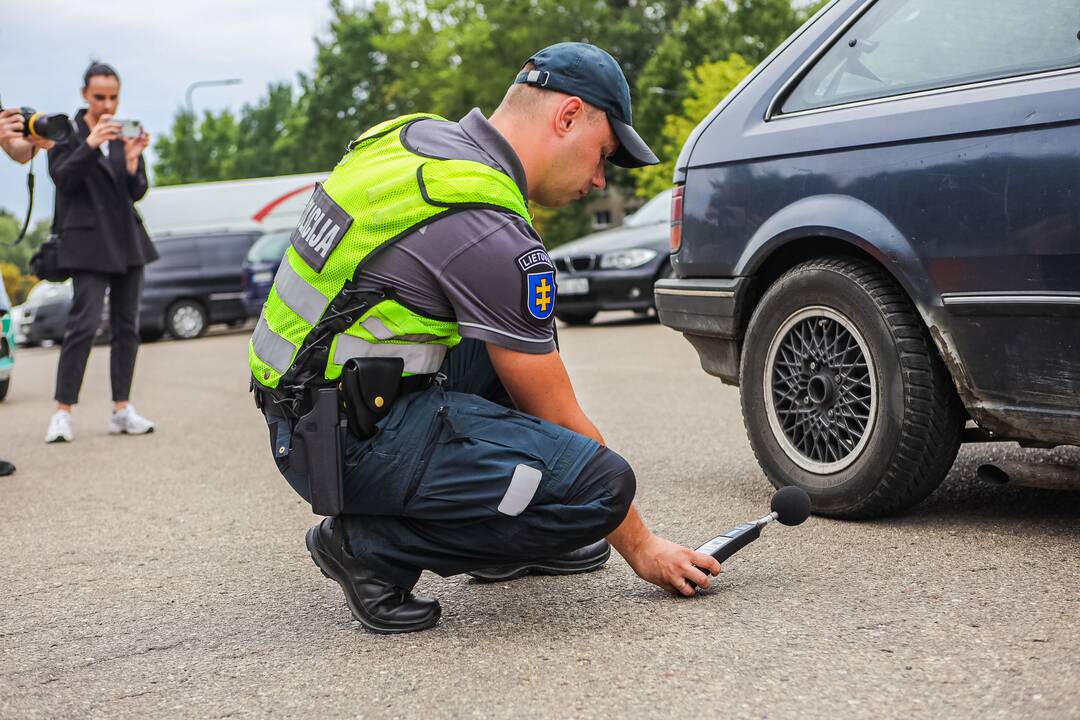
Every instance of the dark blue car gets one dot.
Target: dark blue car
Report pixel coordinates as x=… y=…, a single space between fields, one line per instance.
x=260 y=266
x=877 y=237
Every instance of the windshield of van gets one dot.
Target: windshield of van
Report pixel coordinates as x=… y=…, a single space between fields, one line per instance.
x=654 y=212
x=270 y=247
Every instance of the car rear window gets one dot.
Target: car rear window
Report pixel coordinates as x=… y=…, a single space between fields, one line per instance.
x=657 y=210
x=904 y=46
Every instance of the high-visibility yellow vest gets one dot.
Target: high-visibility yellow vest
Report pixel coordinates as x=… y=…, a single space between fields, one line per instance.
x=378 y=193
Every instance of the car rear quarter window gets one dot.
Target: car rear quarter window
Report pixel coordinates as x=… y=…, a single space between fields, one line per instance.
x=224 y=251
x=175 y=253
x=903 y=46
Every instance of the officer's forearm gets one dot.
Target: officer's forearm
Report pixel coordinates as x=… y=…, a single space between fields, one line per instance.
x=629 y=536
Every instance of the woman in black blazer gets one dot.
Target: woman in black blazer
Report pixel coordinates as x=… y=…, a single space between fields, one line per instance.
x=99 y=175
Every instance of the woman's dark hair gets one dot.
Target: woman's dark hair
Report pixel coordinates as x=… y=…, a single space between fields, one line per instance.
x=99 y=68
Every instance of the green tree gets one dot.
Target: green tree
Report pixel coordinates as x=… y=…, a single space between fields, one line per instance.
x=558 y=226
x=705 y=33
x=706 y=86
x=190 y=154
x=19 y=255
x=346 y=93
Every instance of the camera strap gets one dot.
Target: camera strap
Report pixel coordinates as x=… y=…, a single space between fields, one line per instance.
x=30 y=204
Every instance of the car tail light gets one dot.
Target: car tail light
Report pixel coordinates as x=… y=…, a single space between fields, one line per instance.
x=676 y=217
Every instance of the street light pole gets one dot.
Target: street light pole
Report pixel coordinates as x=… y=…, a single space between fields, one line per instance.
x=191 y=111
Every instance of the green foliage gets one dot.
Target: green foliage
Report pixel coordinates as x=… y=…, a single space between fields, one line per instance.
x=382 y=58
x=15 y=259
x=705 y=33
x=706 y=86
x=559 y=226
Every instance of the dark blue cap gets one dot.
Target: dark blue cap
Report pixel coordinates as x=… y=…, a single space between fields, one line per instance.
x=591 y=74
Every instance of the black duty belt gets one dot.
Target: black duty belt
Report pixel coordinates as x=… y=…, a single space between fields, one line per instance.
x=295 y=404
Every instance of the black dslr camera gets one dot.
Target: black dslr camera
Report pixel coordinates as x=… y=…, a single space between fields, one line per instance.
x=41 y=125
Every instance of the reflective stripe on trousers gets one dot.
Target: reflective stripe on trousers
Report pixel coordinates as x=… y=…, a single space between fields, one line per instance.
x=419 y=359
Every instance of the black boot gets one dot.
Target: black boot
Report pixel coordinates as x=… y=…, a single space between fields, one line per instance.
x=585 y=559
x=380 y=606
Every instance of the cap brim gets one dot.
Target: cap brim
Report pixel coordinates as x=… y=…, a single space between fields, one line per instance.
x=632 y=151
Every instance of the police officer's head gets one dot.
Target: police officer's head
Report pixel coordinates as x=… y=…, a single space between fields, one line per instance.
x=567 y=113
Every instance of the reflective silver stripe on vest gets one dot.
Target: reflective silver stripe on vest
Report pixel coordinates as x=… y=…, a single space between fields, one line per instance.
x=298 y=294
x=271 y=348
x=377 y=328
x=419 y=359
x=379 y=331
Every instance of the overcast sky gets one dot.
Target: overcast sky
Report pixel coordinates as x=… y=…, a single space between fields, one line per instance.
x=158 y=48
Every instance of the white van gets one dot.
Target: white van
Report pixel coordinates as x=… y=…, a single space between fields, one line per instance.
x=230 y=205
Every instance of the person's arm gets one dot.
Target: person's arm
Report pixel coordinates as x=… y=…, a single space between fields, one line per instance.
x=15 y=145
x=136 y=166
x=71 y=160
x=539 y=385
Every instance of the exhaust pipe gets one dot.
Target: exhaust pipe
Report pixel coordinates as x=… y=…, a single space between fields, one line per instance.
x=1035 y=475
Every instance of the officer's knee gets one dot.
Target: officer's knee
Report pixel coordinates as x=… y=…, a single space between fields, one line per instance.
x=610 y=471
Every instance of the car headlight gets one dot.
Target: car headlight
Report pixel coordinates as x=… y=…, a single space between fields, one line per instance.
x=262 y=277
x=626 y=259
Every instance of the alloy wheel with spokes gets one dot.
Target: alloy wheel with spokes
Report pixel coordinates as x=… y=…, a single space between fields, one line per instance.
x=820 y=389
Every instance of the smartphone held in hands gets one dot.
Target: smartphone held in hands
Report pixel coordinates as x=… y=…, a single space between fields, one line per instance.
x=129 y=128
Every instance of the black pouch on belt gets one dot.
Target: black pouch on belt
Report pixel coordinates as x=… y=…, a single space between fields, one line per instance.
x=369 y=387
x=320 y=433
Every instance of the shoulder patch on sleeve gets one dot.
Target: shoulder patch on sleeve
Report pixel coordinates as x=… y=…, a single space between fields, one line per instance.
x=537 y=286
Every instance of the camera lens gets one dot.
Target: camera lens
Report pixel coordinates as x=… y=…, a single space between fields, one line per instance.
x=51 y=127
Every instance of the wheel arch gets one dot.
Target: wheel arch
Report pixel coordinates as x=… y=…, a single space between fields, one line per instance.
x=796 y=234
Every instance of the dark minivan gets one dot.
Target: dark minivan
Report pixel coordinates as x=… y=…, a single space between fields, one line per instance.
x=195 y=283
x=877 y=237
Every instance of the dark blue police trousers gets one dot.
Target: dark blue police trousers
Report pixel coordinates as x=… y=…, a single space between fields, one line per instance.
x=456 y=480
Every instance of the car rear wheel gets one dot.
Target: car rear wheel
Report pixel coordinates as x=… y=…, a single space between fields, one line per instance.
x=576 y=318
x=843 y=392
x=185 y=319
x=4 y=385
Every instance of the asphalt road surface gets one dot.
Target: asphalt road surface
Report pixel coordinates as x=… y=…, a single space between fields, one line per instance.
x=166 y=575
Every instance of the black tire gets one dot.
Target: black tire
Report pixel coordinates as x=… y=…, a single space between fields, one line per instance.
x=185 y=319
x=842 y=341
x=576 y=318
x=4 y=385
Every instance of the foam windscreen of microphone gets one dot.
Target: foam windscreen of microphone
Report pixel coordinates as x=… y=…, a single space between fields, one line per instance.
x=791 y=505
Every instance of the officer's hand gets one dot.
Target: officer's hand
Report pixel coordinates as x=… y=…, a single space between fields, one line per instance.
x=104 y=131
x=11 y=124
x=672 y=566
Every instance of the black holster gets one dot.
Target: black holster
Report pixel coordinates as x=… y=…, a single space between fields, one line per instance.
x=320 y=433
x=369 y=387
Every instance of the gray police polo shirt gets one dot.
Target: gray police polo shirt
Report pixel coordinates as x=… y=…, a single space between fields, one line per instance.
x=470 y=266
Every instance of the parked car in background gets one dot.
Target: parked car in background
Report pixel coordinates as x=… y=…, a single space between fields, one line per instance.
x=195 y=283
x=877 y=237
x=260 y=266
x=614 y=269
x=42 y=318
x=7 y=342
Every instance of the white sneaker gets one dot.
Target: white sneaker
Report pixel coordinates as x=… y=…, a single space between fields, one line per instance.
x=130 y=422
x=59 y=428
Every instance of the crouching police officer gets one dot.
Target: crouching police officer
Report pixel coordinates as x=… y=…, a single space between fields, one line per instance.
x=406 y=360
